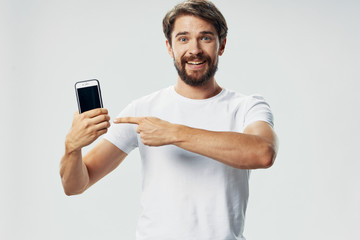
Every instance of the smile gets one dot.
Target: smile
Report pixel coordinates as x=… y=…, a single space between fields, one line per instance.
x=195 y=63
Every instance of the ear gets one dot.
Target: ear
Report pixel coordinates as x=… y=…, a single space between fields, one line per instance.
x=222 y=47
x=169 y=48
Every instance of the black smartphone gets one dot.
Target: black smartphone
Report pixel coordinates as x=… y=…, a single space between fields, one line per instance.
x=88 y=95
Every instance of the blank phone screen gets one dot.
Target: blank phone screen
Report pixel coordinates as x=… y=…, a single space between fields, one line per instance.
x=89 y=98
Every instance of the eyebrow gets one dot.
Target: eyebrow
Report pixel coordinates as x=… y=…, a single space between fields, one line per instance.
x=208 y=32
x=203 y=32
x=181 y=34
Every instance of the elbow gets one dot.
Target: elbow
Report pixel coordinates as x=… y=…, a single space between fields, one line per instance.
x=71 y=189
x=72 y=186
x=69 y=193
x=267 y=157
x=72 y=192
x=263 y=157
x=267 y=162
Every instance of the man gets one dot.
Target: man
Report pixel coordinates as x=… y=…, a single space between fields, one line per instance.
x=197 y=140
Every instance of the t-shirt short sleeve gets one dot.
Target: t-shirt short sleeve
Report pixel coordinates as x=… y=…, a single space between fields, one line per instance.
x=123 y=135
x=257 y=109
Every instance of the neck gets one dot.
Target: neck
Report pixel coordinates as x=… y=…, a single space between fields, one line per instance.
x=197 y=92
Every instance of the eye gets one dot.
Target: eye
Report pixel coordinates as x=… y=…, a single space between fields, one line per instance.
x=206 y=38
x=182 y=39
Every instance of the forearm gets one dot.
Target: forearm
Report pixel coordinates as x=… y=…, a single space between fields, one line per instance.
x=85 y=129
x=256 y=148
x=73 y=172
x=238 y=150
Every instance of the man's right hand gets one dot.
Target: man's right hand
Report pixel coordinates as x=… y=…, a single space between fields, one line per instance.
x=79 y=173
x=86 y=128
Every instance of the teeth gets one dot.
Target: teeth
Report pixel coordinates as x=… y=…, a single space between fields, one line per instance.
x=195 y=63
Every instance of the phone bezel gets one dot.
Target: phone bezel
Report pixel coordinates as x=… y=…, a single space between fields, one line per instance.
x=85 y=84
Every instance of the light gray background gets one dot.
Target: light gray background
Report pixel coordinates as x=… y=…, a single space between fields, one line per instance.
x=302 y=56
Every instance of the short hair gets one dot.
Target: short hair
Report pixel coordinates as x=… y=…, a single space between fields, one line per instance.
x=200 y=8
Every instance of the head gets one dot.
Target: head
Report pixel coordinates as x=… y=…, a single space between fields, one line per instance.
x=202 y=30
x=200 y=8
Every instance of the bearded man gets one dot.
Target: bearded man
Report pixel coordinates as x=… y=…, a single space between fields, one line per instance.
x=197 y=140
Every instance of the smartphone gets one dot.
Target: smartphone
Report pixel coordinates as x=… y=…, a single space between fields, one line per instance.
x=88 y=95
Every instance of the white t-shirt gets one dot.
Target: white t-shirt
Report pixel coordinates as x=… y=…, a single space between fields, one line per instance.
x=185 y=195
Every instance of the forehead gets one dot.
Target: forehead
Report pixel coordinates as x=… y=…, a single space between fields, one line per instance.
x=192 y=25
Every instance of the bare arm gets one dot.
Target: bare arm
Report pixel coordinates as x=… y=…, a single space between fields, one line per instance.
x=255 y=148
x=78 y=173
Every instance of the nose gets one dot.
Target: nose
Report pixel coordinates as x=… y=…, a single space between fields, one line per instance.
x=195 y=48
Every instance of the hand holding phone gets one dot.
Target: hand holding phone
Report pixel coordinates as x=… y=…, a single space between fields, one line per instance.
x=88 y=95
x=86 y=128
x=88 y=125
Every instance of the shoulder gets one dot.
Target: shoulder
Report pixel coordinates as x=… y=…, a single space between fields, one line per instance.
x=251 y=107
x=242 y=100
x=255 y=99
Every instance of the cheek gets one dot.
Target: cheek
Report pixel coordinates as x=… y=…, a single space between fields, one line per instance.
x=178 y=51
x=213 y=51
x=177 y=56
x=214 y=55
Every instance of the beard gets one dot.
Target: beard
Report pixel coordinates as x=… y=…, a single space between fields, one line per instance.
x=196 y=81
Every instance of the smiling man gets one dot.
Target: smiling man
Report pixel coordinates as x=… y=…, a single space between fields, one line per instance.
x=199 y=57
x=197 y=140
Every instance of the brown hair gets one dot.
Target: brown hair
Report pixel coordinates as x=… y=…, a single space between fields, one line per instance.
x=199 y=8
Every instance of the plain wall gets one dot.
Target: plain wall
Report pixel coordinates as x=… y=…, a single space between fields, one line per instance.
x=303 y=56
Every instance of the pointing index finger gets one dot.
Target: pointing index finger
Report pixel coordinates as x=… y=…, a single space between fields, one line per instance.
x=132 y=120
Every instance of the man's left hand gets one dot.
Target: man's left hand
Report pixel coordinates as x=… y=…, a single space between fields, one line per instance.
x=153 y=131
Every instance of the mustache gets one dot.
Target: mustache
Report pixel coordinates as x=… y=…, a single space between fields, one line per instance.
x=199 y=57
